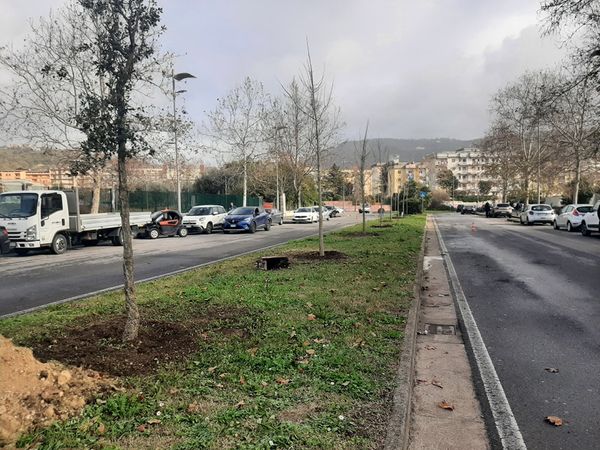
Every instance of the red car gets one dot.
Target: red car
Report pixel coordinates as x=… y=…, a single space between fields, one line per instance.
x=166 y=223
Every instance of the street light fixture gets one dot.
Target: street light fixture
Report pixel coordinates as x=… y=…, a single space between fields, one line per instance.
x=177 y=77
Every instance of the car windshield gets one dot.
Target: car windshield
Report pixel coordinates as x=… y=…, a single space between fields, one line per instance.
x=541 y=208
x=585 y=209
x=18 y=205
x=304 y=210
x=199 y=211
x=242 y=212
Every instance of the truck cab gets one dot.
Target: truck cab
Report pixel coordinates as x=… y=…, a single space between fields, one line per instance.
x=35 y=219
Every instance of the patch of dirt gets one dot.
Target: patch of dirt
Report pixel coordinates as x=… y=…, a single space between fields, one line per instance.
x=298 y=413
x=314 y=256
x=385 y=225
x=35 y=394
x=98 y=345
x=360 y=234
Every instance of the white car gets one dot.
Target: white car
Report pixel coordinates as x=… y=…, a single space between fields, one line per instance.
x=570 y=217
x=591 y=221
x=308 y=214
x=204 y=218
x=540 y=213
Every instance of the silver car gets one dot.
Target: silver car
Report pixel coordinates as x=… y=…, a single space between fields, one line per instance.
x=538 y=213
x=570 y=217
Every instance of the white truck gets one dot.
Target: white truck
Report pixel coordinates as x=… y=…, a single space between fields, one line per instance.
x=590 y=221
x=51 y=219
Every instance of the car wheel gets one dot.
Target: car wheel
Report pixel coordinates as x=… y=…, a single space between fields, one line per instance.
x=21 y=251
x=209 y=228
x=268 y=225
x=521 y=220
x=183 y=232
x=555 y=225
x=584 y=230
x=281 y=221
x=569 y=227
x=59 y=244
x=153 y=233
x=252 y=228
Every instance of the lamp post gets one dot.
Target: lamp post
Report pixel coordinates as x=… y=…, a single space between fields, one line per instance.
x=177 y=77
x=277 y=142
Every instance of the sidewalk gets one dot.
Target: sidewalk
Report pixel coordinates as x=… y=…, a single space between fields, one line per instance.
x=442 y=370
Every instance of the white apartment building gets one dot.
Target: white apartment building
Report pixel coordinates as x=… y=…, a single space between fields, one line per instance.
x=467 y=165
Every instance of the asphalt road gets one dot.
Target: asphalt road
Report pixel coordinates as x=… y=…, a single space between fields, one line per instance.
x=535 y=295
x=41 y=278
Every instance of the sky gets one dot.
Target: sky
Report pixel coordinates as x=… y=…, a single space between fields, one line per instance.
x=414 y=69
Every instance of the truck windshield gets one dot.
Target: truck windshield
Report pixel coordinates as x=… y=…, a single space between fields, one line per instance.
x=18 y=205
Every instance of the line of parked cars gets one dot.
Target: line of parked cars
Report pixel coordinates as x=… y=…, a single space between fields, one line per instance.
x=574 y=217
x=310 y=214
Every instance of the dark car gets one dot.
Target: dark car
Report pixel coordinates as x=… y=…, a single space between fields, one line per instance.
x=459 y=208
x=4 y=242
x=166 y=223
x=276 y=215
x=247 y=218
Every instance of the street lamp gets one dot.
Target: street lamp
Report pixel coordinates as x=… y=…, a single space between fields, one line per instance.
x=277 y=142
x=177 y=77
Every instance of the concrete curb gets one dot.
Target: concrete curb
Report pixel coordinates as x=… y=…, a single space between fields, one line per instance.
x=397 y=435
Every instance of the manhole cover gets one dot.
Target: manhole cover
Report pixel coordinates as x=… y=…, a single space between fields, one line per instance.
x=434 y=328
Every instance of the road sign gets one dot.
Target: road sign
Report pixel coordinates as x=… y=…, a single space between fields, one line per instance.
x=422 y=194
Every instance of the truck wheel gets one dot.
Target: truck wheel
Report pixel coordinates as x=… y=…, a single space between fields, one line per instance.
x=209 y=228
x=117 y=240
x=153 y=233
x=21 y=251
x=59 y=244
x=268 y=225
x=183 y=232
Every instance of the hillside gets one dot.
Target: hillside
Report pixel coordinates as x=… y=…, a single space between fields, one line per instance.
x=346 y=154
x=22 y=157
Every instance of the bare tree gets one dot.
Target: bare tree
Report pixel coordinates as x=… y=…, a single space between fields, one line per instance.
x=501 y=146
x=127 y=36
x=238 y=121
x=362 y=166
x=324 y=123
x=574 y=117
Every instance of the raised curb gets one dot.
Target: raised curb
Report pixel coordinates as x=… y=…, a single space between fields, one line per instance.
x=397 y=435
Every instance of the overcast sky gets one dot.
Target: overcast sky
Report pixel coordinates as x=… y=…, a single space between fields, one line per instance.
x=416 y=69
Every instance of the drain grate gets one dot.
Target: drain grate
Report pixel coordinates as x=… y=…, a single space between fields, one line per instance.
x=434 y=328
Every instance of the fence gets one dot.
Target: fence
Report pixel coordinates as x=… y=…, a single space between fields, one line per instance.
x=141 y=200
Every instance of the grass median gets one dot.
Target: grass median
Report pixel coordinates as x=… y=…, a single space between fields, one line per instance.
x=234 y=357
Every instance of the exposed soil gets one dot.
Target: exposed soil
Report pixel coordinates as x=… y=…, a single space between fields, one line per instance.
x=34 y=394
x=384 y=225
x=314 y=256
x=98 y=345
x=360 y=234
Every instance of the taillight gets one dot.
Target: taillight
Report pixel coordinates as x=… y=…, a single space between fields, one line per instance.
x=575 y=212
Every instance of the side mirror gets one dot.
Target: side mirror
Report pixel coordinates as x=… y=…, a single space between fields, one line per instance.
x=214 y=213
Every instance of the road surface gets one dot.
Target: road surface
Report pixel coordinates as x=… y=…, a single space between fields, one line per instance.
x=41 y=278
x=535 y=295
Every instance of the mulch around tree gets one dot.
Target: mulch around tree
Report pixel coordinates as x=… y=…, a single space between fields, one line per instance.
x=330 y=255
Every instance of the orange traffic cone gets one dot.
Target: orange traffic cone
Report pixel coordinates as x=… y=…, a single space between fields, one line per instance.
x=473 y=227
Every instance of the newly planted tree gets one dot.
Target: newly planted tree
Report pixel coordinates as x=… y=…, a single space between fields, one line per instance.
x=126 y=40
x=362 y=167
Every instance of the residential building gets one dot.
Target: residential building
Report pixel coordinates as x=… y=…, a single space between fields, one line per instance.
x=399 y=173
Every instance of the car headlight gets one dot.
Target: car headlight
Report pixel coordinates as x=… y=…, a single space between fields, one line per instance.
x=247 y=219
x=31 y=233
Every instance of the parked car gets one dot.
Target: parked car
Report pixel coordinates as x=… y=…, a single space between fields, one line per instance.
x=333 y=211
x=204 y=218
x=468 y=209
x=502 y=210
x=246 y=218
x=540 y=213
x=326 y=213
x=165 y=223
x=365 y=207
x=459 y=208
x=306 y=214
x=4 y=241
x=570 y=217
x=276 y=215
x=591 y=220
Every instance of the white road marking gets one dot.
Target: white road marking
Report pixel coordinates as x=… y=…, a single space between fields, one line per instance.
x=506 y=424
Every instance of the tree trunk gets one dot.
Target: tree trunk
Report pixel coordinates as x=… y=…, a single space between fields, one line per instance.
x=320 y=196
x=245 y=197
x=526 y=183
x=132 y=323
x=97 y=180
x=577 y=179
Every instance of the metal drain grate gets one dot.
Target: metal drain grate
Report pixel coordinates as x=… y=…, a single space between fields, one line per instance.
x=434 y=328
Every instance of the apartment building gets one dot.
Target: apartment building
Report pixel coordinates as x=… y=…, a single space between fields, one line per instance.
x=399 y=173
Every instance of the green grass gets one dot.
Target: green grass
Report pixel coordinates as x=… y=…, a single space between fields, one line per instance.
x=286 y=381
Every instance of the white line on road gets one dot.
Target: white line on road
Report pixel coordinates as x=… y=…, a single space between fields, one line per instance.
x=506 y=424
